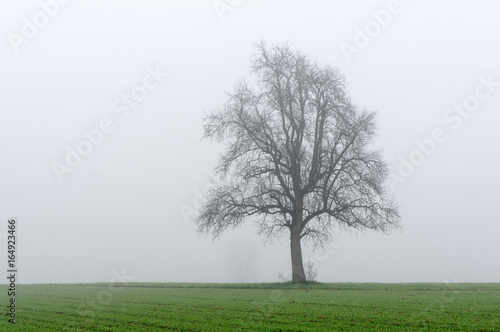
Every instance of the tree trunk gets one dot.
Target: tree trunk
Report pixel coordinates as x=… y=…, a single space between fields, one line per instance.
x=298 y=275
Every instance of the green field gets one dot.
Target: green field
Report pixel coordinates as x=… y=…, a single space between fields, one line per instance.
x=259 y=307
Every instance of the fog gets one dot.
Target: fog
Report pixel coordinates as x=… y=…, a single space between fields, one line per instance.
x=430 y=70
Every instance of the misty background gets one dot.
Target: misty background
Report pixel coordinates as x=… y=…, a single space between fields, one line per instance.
x=124 y=207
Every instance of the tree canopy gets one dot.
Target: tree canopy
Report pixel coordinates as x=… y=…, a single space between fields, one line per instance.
x=298 y=158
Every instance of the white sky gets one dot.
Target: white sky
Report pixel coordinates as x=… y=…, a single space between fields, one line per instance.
x=120 y=209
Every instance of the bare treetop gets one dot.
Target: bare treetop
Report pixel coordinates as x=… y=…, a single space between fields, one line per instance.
x=298 y=156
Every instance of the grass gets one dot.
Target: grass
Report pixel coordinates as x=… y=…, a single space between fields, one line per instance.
x=260 y=307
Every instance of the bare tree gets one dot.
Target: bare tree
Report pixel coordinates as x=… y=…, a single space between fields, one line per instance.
x=298 y=158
